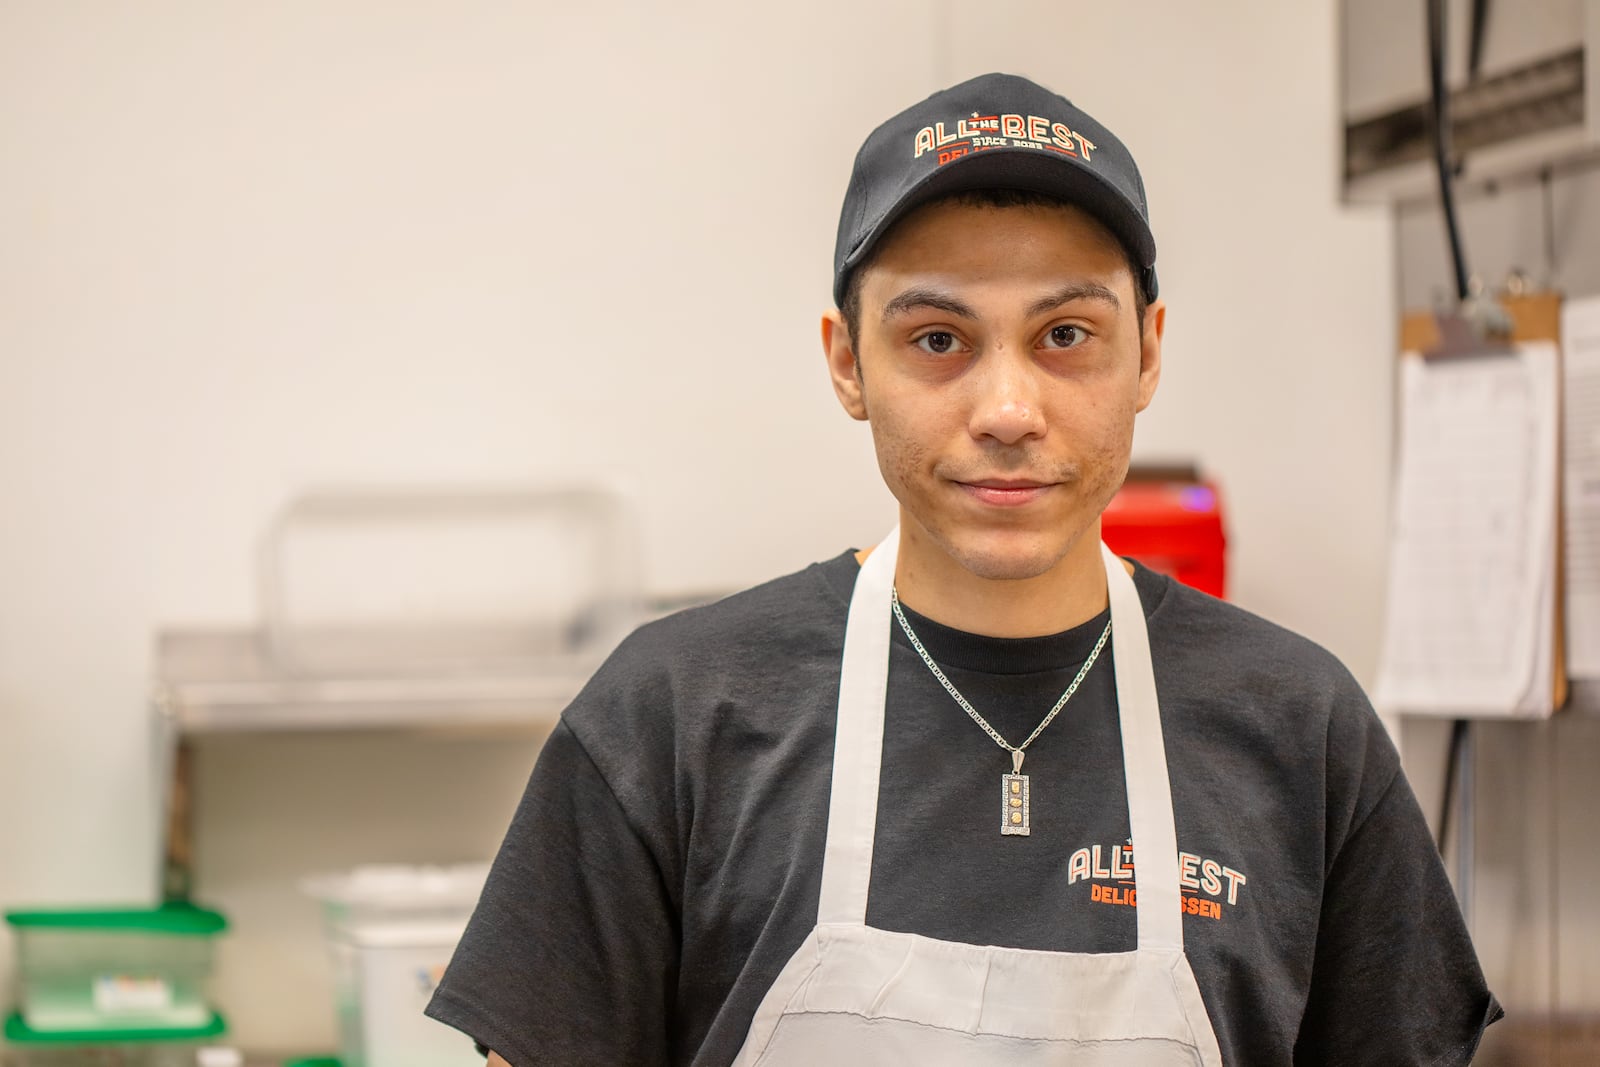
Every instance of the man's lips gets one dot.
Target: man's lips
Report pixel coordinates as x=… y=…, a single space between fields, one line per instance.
x=1005 y=492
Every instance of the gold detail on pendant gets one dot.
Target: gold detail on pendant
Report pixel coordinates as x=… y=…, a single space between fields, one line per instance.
x=1014 y=807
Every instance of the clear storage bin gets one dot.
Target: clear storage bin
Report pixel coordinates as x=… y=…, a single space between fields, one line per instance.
x=183 y=1047
x=132 y=970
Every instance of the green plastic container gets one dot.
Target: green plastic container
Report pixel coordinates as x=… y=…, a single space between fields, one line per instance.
x=129 y=970
x=98 y=1048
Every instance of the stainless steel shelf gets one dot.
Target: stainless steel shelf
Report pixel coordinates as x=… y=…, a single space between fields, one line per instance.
x=224 y=681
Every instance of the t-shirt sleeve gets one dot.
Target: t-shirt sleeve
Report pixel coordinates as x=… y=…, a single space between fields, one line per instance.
x=1395 y=979
x=571 y=954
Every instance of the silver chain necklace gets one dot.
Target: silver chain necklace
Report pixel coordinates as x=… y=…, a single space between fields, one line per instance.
x=1014 y=796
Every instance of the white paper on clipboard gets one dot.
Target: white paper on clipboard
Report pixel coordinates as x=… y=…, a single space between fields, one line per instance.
x=1469 y=621
x=1580 y=333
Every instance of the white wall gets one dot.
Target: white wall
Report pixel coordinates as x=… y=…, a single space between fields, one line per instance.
x=249 y=247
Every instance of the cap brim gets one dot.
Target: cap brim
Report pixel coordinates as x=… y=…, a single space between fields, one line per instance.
x=1026 y=170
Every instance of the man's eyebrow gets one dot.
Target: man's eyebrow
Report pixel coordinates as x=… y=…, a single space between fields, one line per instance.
x=926 y=298
x=919 y=297
x=1075 y=291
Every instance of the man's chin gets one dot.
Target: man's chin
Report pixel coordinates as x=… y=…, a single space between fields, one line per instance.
x=1007 y=559
x=1005 y=569
x=1015 y=552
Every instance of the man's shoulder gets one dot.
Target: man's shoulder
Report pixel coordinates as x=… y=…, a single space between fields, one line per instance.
x=1198 y=623
x=678 y=683
x=768 y=628
x=795 y=606
x=1211 y=649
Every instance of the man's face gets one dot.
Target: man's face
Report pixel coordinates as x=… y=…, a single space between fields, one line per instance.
x=1001 y=365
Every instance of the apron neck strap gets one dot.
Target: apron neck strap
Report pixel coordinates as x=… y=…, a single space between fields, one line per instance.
x=1144 y=762
x=858 y=741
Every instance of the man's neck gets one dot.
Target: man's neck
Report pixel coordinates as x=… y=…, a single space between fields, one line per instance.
x=933 y=584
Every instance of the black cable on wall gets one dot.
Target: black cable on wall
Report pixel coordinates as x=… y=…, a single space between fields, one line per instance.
x=1441 y=140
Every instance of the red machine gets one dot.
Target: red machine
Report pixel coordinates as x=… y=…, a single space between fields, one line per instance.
x=1172 y=523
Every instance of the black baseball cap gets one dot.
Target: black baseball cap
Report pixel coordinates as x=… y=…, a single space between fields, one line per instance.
x=997 y=131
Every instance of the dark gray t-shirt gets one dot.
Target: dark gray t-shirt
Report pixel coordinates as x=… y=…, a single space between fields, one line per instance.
x=665 y=861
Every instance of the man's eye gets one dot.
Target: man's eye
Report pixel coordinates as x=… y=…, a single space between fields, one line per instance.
x=938 y=342
x=1066 y=336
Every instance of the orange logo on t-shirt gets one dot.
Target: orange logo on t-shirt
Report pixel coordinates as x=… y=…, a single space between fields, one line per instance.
x=1210 y=883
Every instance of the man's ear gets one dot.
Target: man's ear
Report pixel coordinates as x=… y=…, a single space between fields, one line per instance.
x=843 y=366
x=1155 y=325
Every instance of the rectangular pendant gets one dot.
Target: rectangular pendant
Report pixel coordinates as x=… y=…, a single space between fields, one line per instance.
x=1014 y=804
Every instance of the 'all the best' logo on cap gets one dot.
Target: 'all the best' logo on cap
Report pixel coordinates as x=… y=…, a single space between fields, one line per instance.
x=997 y=131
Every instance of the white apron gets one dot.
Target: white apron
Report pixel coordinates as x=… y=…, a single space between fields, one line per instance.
x=853 y=995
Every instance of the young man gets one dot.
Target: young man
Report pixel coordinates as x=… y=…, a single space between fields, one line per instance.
x=986 y=793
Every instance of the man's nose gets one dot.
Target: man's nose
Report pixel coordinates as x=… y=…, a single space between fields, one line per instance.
x=1006 y=403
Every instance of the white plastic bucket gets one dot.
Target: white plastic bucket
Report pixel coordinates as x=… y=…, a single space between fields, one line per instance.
x=391 y=931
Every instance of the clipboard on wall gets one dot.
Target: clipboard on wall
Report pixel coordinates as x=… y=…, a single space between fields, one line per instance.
x=1473 y=617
